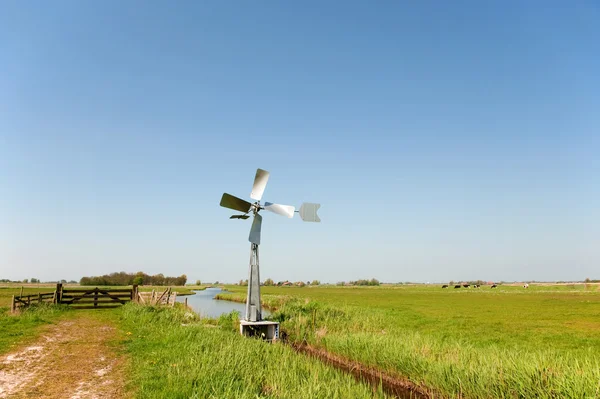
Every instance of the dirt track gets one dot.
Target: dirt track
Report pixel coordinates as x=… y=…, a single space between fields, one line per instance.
x=72 y=359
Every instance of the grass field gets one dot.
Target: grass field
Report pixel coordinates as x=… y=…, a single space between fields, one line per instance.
x=508 y=342
x=178 y=357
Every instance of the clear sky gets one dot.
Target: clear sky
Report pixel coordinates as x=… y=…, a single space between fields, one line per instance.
x=445 y=140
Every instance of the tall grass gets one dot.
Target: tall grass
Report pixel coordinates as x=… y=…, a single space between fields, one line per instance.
x=467 y=358
x=177 y=356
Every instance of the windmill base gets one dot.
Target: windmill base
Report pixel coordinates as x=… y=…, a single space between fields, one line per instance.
x=267 y=330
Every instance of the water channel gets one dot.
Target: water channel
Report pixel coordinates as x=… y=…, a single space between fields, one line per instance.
x=206 y=306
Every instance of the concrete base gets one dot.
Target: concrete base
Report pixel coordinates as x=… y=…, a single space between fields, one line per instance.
x=267 y=330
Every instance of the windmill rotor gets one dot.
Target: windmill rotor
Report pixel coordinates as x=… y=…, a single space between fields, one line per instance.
x=308 y=211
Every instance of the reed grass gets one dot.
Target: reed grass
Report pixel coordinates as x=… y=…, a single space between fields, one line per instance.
x=178 y=356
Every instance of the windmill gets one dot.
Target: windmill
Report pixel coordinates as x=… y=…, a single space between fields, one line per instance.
x=253 y=322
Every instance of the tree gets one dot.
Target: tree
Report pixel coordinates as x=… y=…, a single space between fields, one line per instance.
x=315 y=282
x=35 y=280
x=138 y=280
x=25 y=280
x=588 y=280
x=217 y=282
x=269 y=282
x=198 y=282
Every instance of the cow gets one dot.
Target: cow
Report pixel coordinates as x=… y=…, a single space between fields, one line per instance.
x=466 y=285
x=445 y=286
x=494 y=285
x=457 y=286
x=525 y=285
x=476 y=286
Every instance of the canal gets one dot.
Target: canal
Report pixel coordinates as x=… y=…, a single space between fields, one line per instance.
x=206 y=306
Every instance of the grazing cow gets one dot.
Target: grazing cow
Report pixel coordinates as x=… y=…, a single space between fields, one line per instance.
x=445 y=286
x=457 y=286
x=494 y=285
x=476 y=286
x=525 y=285
x=466 y=285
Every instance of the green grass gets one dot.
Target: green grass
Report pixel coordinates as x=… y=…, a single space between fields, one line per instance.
x=16 y=329
x=177 y=356
x=508 y=342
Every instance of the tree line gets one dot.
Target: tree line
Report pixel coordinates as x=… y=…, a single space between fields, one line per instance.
x=139 y=278
x=371 y=282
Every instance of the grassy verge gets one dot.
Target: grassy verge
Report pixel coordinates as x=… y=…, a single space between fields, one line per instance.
x=16 y=329
x=177 y=356
x=474 y=344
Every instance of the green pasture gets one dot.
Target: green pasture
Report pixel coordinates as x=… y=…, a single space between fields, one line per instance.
x=543 y=341
x=177 y=356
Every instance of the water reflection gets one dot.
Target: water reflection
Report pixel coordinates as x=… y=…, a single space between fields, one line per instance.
x=204 y=304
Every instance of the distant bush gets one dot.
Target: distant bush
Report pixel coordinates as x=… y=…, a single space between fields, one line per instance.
x=269 y=281
x=139 y=278
x=373 y=281
x=315 y=282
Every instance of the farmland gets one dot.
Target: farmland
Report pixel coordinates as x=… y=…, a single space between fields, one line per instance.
x=465 y=343
x=506 y=342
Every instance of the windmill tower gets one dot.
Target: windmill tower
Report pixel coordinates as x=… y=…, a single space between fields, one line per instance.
x=253 y=323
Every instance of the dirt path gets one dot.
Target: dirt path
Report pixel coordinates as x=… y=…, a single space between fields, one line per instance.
x=72 y=359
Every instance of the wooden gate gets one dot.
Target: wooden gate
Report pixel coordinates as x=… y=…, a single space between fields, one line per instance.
x=95 y=298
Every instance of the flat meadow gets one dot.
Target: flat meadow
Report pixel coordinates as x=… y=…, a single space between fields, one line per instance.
x=508 y=342
x=543 y=341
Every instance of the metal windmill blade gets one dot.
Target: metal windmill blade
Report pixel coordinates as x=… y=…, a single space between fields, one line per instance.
x=254 y=237
x=283 y=210
x=235 y=203
x=260 y=182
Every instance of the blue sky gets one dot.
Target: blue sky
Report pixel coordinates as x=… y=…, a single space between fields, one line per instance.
x=444 y=140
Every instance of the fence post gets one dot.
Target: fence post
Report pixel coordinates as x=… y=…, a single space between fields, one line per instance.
x=12 y=305
x=21 y=294
x=96 y=297
x=58 y=293
x=39 y=298
x=134 y=293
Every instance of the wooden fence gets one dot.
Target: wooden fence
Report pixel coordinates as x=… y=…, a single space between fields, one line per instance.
x=92 y=298
x=95 y=298
x=167 y=297
x=22 y=301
